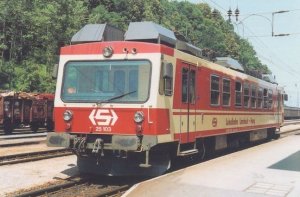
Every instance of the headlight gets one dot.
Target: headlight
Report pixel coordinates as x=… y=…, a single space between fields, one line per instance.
x=68 y=115
x=138 y=117
x=107 y=52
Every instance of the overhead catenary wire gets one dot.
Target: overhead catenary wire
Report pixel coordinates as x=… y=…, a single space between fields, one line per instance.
x=263 y=46
x=290 y=70
x=264 y=13
x=260 y=36
x=218 y=5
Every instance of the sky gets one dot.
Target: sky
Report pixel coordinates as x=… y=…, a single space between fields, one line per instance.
x=280 y=53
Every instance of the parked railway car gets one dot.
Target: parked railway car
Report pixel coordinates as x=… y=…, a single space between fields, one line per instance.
x=291 y=113
x=15 y=109
x=21 y=108
x=42 y=112
x=130 y=106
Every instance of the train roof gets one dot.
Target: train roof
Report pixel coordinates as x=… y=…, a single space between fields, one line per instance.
x=149 y=31
x=228 y=62
x=154 y=33
x=97 y=33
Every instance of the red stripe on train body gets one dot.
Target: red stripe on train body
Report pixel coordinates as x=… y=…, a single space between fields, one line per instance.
x=112 y=121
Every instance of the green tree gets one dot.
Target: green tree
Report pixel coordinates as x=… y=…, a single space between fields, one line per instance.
x=32 y=33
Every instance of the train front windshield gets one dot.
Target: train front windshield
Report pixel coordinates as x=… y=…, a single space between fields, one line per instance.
x=106 y=81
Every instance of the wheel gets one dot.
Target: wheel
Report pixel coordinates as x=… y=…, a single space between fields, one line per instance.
x=8 y=127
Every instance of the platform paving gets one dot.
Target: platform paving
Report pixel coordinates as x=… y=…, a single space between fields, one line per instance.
x=22 y=176
x=260 y=171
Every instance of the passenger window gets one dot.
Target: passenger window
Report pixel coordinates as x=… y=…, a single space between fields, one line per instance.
x=238 y=94
x=226 y=92
x=265 y=98
x=270 y=99
x=214 y=90
x=246 y=95
x=253 y=96
x=260 y=98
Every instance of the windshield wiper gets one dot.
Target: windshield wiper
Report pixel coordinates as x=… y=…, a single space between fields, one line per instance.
x=117 y=97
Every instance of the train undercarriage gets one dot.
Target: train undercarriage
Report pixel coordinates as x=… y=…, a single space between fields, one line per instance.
x=131 y=155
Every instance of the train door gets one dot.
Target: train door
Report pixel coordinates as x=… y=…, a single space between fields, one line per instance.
x=188 y=103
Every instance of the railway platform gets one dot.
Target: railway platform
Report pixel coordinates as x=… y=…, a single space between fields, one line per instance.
x=270 y=169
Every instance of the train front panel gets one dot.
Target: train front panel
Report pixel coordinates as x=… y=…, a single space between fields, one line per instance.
x=105 y=105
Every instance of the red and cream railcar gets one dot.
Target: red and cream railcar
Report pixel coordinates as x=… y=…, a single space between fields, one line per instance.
x=129 y=107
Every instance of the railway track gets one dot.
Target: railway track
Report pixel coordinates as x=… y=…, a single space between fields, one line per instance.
x=33 y=156
x=83 y=187
x=21 y=131
x=87 y=186
x=103 y=186
x=23 y=136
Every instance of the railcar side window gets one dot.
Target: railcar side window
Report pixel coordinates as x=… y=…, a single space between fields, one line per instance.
x=188 y=86
x=270 y=99
x=214 y=90
x=166 y=79
x=260 y=98
x=238 y=94
x=226 y=92
x=265 y=98
x=253 y=96
x=246 y=95
x=168 y=83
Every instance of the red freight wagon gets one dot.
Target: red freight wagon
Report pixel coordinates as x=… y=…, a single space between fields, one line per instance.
x=21 y=108
x=15 y=109
x=42 y=112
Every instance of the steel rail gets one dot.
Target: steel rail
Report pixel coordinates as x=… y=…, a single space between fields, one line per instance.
x=53 y=188
x=22 y=143
x=33 y=156
x=113 y=191
x=76 y=185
